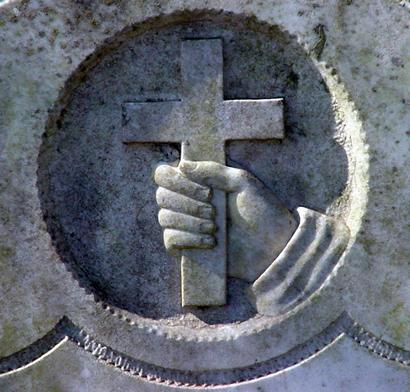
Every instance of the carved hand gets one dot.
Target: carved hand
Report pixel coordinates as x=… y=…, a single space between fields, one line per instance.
x=259 y=225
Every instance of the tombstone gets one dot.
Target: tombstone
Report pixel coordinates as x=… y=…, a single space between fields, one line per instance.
x=208 y=196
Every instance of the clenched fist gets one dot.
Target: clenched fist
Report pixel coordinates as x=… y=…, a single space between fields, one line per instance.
x=259 y=226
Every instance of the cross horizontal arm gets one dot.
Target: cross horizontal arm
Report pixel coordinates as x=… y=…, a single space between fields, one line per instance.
x=153 y=122
x=251 y=119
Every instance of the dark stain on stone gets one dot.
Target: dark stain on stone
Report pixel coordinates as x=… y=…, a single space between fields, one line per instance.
x=321 y=42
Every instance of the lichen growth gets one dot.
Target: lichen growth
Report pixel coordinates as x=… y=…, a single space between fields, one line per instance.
x=397 y=321
x=7 y=335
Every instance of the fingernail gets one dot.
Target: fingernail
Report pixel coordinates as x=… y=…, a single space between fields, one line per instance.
x=205 y=193
x=207 y=227
x=206 y=211
x=208 y=240
x=187 y=166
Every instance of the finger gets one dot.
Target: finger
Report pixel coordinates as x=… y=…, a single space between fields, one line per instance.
x=176 y=239
x=228 y=179
x=175 y=220
x=170 y=178
x=183 y=204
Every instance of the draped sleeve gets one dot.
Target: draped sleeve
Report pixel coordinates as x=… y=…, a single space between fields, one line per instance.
x=302 y=266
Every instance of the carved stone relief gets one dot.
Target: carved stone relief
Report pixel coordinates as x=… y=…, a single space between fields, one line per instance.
x=201 y=182
x=204 y=95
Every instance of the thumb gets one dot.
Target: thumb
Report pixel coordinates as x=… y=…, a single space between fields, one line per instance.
x=213 y=174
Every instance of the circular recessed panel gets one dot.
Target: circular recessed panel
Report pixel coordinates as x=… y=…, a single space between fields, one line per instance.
x=98 y=194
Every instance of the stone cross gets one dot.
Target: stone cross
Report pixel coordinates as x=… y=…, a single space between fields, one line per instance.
x=203 y=121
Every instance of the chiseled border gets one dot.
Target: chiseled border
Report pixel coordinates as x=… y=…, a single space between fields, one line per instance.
x=65 y=329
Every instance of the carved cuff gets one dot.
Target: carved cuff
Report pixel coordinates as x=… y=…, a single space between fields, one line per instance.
x=303 y=265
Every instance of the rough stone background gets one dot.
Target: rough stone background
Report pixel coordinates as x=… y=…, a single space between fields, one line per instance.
x=362 y=48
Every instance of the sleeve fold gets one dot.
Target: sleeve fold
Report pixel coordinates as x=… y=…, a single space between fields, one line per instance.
x=303 y=265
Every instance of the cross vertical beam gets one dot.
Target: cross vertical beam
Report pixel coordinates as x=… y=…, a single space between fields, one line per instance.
x=203 y=272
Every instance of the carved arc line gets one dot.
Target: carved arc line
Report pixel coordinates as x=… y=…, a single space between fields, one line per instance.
x=38 y=359
x=35 y=351
x=65 y=330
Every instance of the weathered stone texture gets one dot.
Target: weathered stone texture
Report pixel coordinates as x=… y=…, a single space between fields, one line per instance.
x=79 y=236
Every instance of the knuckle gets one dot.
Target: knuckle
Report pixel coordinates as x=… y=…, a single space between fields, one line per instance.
x=162 y=173
x=159 y=172
x=204 y=193
x=163 y=217
x=169 y=239
x=160 y=195
x=162 y=169
x=242 y=174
